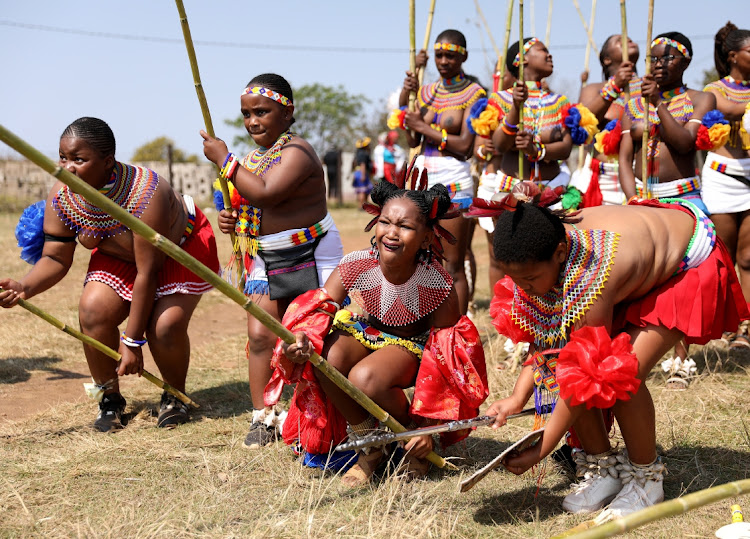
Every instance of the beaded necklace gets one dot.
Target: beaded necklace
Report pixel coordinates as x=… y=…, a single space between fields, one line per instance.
x=733 y=90
x=457 y=93
x=394 y=304
x=677 y=101
x=130 y=187
x=550 y=318
x=544 y=108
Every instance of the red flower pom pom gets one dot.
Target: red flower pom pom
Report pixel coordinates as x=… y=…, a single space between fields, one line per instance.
x=703 y=141
x=500 y=309
x=565 y=111
x=611 y=141
x=597 y=370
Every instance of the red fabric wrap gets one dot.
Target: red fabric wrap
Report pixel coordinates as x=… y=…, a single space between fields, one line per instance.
x=597 y=370
x=452 y=378
x=312 y=419
x=593 y=195
x=173 y=278
x=701 y=302
x=500 y=309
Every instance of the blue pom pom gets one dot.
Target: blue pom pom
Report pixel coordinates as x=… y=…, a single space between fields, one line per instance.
x=218 y=200
x=611 y=125
x=713 y=117
x=30 y=232
x=476 y=110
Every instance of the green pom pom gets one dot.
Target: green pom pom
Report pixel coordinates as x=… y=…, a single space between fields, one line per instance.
x=571 y=199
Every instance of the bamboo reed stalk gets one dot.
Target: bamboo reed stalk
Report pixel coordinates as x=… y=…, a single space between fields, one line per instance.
x=521 y=156
x=586 y=27
x=548 y=32
x=501 y=57
x=646 y=105
x=173 y=251
x=426 y=42
x=670 y=508
x=412 y=51
x=206 y=116
x=586 y=60
x=103 y=348
x=487 y=28
x=624 y=31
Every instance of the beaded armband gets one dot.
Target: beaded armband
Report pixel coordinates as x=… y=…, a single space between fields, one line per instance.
x=229 y=167
x=131 y=343
x=443 y=140
x=610 y=90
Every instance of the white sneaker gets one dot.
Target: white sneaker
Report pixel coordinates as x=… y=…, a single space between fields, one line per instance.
x=592 y=494
x=643 y=486
x=599 y=482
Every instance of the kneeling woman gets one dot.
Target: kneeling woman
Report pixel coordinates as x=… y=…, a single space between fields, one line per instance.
x=411 y=334
x=127 y=277
x=649 y=274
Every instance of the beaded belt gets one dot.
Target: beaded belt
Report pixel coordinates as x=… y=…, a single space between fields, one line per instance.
x=463 y=185
x=703 y=240
x=190 y=205
x=298 y=238
x=719 y=167
x=670 y=189
x=506 y=183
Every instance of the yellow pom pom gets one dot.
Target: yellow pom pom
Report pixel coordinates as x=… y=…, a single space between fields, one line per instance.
x=343 y=316
x=599 y=145
x=394 y=122
x=719 y=134
x=487 y=121
x=745 y=129
x=588 y=122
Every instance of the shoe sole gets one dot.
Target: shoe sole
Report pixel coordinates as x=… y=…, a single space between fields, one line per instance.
x=582 y=510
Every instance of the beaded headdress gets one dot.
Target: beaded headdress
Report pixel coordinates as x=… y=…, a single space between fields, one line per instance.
x=528 y=192
x=418 y=182
x=270 y=94
x=526 y=47
x=452 y=47
x=671 y=43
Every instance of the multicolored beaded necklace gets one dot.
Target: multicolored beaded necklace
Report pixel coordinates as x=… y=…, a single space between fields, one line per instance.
x=131 y=188
x=544 y=108
x=733 y=90
x=457 y=93
x=550 y=318
x=677 y=101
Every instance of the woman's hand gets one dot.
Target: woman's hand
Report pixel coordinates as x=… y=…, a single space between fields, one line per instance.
x=520 y=94
x=525 y=143
x=624 y=74
x=214 y=149
x=518 y=463
x=502 y=409
x=411 y=83
x=413 y=120
x=419 y=446
x=227 y=221
x=300 y=351
x=650 y=90
x=11 y=293
x=131 y=362
x=422 y=59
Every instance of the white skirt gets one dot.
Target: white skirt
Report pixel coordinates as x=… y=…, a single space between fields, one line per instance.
x=722 y=193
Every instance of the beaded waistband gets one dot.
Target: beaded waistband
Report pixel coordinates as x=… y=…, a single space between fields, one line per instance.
x=703 y=240
x=670 y=189
x=276 y=242
x=190 y=205
x=462 y=185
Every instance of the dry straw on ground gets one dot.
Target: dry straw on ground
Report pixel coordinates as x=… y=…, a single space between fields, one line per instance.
x=59 y=478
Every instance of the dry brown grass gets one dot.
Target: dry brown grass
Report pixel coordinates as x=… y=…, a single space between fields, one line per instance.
x=59 y=478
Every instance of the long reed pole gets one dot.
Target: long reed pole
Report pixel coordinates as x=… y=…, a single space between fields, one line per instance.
x=103 y=348
x=521 y=156
x=487 y=27
x=586 y=60
x=426 y=42
x=646 y=104
x=669 y=508
x=93 y=196
x=588 y=30
x=501 y=56
x=624 y=31
x=412 y=50
x=206 y=113
x=548 y=33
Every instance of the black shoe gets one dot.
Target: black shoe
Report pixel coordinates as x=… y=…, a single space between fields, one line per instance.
x=260 y=435
x=111 y=409
x=564 y=458
x=172 y=412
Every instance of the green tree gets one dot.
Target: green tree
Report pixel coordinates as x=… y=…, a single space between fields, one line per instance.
x=326 y=117
x=158 y=149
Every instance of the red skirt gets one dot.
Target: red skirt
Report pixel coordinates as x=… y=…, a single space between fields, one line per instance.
x=173 y=278
x=701 y=302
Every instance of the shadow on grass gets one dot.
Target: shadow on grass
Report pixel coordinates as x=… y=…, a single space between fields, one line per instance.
x=16 y=370
x=510 y=507
x=719 y=358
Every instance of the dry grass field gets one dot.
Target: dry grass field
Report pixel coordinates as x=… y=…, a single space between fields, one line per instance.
x=60 y=478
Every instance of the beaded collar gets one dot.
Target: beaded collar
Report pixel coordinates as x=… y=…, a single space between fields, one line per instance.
x=678 y=103
x=550 y=318
x=733 y=90
x=394 y=304
x=458 y=95
x=542 y=110
x=131 y=188
x=458 y=79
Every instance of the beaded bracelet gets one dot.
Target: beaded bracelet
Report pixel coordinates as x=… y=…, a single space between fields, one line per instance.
x=444 y=140
x=610 y=91
x=541 y=152
x=509 y=126
x=482 y=155
x=131 y=343
x=510 y=130
x=229 y=167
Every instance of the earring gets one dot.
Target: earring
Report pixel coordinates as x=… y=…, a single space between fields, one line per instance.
x=373 y=248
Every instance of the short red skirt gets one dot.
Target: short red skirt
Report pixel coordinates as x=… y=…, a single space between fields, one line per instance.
x=173 y=277
x=701 y=302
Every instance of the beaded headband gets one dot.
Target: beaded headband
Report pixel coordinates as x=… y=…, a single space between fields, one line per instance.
x=526 y=46
x=270 y=94
x=671 y=43
x=450 y=47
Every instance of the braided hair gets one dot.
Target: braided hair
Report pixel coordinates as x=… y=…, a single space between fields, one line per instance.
x=423 y=200
x=728 y=38
x=274 y=82
x=95 y=132
x=529 y=234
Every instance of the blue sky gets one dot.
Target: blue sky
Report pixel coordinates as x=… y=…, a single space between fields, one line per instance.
x=125 y=62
